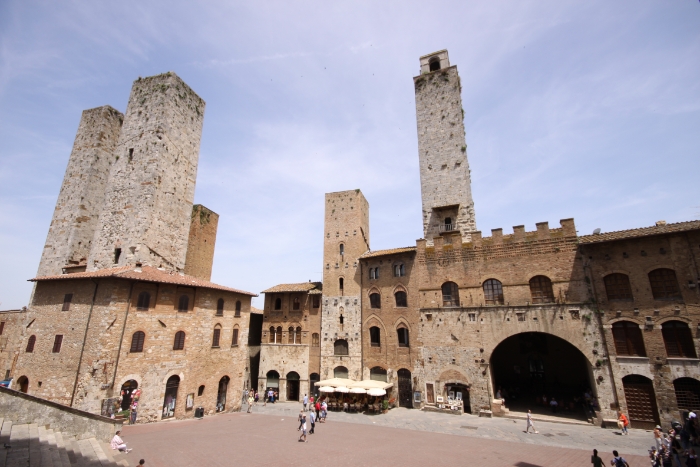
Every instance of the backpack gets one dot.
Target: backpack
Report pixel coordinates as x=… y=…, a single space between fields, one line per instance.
x=620 y=462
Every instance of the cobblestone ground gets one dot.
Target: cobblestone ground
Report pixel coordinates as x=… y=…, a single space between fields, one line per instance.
x=403 y=437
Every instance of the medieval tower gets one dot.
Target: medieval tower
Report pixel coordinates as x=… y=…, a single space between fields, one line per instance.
x=442 y=150
x=345 y=238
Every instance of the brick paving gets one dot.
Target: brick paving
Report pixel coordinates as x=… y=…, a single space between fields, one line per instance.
x=402 y=437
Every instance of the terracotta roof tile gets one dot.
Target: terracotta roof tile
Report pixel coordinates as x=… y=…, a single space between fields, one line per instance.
x=372 y=254
x=257 y=311
x=299 y=287
x=146 y=274
x=641 y=232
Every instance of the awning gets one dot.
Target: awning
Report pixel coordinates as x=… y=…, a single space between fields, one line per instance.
x=365 y=384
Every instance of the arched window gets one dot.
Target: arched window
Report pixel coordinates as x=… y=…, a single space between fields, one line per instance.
x=216 y=337
x=402 y=333
x=298 y=336
x=617 y=286
x=137 y=341
x=315 y=341
x=220 y=307
x=278 y=304
x=342 y=249
x=278 y=339
x=401 y=300
x=687 y=393
x=375 y=300
x=290 y=335
x=234 y=339
x=340 y=372
x=434 y=64
x=678 y=339
x=143 y=301
x=664 y=285
x=179 y=343
x=375 y=337
x=340 y=347
x=378 y=374
x=272 y=334
x=450 y=294
x=340 y=284
x=238 y=308
x=493 y=292
x=399 y=270
x=295 y=303
x=184 y=303
x=30 y=344
x=541 y=290
x=628 y=339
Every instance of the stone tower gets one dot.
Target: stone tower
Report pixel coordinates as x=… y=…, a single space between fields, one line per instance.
x=442 y=149
x=149 y=197
x=81 y=198
x=346 y=237
x=200 y=248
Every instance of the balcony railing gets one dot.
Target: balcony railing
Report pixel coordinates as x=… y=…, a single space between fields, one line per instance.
x=447 y=227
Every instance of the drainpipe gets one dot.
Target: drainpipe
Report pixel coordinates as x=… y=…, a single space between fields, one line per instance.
x=121 y=339
x=82 y=349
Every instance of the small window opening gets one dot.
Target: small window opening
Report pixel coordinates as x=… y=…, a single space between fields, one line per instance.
x=67 y=298
x=342 y=249
x=434 y=64
x=200 y=391
x=278 y=304
x=131 y=154
x=238 y=308
x=58 y=340
x=117 y=254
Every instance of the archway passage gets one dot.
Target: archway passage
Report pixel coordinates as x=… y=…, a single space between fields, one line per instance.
x=532 y=368
x=273 y=385
x=170 y=399
x=293 y=386
x=23 y=384
x=405 y=388
x=221 y=394
x=127 y=393
x=641 y=402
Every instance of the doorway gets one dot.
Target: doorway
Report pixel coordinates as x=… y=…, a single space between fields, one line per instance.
x=221 y=394
x=23 y=383
x=170 y=399
x=127 y=393
x=273 y=383
x=459 y=391
x=293 y=386
x=641 y=402
x=313 y=379
x=405 y=388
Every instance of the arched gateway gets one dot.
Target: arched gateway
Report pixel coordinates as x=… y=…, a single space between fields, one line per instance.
x=528 y=367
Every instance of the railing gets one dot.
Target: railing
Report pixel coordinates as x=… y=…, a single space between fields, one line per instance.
x=447 y=227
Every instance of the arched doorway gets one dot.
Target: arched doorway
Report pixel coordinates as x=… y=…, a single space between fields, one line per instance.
x=170 y=396
x=273 y=383
x=293 y=386
x=221 y=394
x=528 y=367
x=405 y=388
x=23 y=384
x=459 y=392
x=127 y=393
x=313 y=379
x=687 y=394
x=641 y=401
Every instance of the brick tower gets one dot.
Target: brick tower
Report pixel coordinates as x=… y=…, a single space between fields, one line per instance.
x=149 y=197
x=442 y=150
x=81 y=198
x=345 y=238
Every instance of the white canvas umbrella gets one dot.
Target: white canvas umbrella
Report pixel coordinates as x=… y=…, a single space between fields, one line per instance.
x=326 y=389
x=358 y=391
x=342 y=389
x=376 y=392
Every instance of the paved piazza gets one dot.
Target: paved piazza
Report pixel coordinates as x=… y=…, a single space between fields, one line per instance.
x=404 y=437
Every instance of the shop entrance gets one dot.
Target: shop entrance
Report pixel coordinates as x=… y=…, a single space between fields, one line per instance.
x=293 y=386
x=273 y=383
x=221 y=394
x=530 y=369
x=313 y=379
x=459 y=392
x=641 y=402
x=127 y=393
x=170 y=396
x=23 y=383
x=405 y=388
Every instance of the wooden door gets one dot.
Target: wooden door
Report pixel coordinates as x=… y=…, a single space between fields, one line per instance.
x=405 y=389
x=641 y=402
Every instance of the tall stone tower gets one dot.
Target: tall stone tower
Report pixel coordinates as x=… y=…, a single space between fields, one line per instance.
x=346 y=237
x=442 y=149
x=200 y=248
x=149 y=197
x=81 y=198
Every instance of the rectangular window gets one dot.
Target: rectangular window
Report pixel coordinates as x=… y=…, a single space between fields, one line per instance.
x=58 y=340
x=472 y=316
x=235 y=337
x=66 y=301
x=317 y=301
x=117 y=254
x=217 y=336
x=521 y=316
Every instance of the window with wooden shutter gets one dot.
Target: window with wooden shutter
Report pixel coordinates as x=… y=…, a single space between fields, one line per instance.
x=137 y=341
x=220 y=307
x=678 y=339
x=238 y=308
x=67 y=299
x=541 y=290
x=664 y=285
x=234 y=340
x=57 y=341
x=143 y=301
x=628 y=339
x=30 y=344
x=179 y=343
x=617 y=286
x=216 y=337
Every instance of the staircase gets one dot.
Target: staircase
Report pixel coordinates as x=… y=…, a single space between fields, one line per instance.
x=30 y=445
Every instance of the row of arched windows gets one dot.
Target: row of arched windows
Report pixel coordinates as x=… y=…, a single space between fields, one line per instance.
x=296 y=304
x=401 y=334
x=677 y=336
x=138 y=339
x=143 y=303
x=398 y=270
x=293 y=335
x=663 y=282
x=400 y=298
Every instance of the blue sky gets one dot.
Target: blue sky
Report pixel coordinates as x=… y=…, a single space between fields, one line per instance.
x=574 y=109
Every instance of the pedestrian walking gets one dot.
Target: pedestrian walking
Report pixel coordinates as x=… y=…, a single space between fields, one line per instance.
x=657 y=437
x=256 y=397
x=306 y=401
x=622 y=422
x=300 y=418
x=250 y=401
x=303 y=427
x=312 y=419
x=675 y=447
x=324 y=411
x=596 y=460
x=618 y=461
x=553 y=404
x=530 y=424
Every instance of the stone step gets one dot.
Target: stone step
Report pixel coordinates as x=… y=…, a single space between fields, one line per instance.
x=34 y=446
x=53 y=449
x=62 y=449
x=18 y=454
x=45 y=454
x=4 y=440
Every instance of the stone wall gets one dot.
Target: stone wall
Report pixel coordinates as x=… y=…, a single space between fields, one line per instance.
x=284 y=359
x=81 y=198
x=201 y=243
x=149 y=197
x=22 y=408
x=13 y=324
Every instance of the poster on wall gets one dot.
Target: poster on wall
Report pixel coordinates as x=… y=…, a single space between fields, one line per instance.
x=416 y=397
x=190 y=401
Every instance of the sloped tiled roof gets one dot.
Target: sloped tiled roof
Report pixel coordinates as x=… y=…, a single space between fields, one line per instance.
x=641 y=232
x=372 y=254
x=300 y=287
x=257 y=311
x=146 y=274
